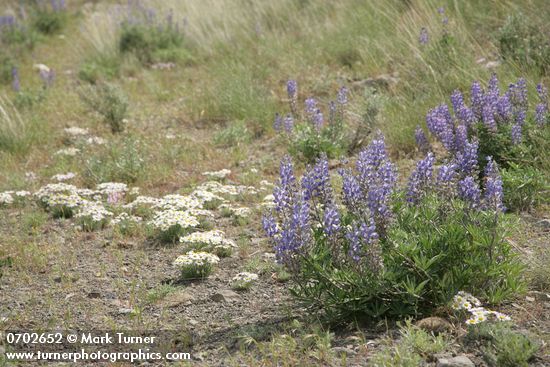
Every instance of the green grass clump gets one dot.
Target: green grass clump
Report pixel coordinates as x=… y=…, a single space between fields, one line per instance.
x=109 y=101
x=525 y=42
x=153 y=43
x=413 y=348
x=120 y=162
x=502 y=346
x=16 y=134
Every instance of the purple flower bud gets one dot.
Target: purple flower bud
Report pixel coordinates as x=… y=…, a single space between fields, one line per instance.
x=16 y=85
x=446 y=174
x=331 y=221
x=540 y=114
x=421 y=140
x=361 y=236
x=469 y=191
x=467 y=158
x=270 y=225
x=342 y=96
x=278 y=123
x=516 y=133
x=318 y=119
x=542 y=92
x=420 y=179
x=492 y=197
x=288 y=123
x=440 y=124
x=423 y=38
x=284 y=192
x=477 y=98
x=292 y=89
x=311 y=106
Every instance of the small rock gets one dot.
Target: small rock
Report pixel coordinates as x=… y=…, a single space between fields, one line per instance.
x=530 y=299
x=125 y=311
x=344 y=350
x=434 y=324
x=492 y=64
x=225 y=295
x=383 y=81
x=458 y=361
x=545 y=223
x=177 y=298
x=540 y=296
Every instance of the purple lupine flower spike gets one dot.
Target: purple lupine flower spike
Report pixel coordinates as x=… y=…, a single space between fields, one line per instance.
x=420 y=179
x=423 y=38
x=331 y=221
x=469 y=191
x=342 y=96
x=288 y=123
x=16 y=85
x=278 y=122
x=492 y=197
x=292 y=92
x=421 y=141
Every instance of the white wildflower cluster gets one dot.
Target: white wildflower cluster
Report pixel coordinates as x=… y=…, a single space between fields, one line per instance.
x=264 y=184
x=166 y=219
x=177 y=202
x=92 y=215
x=204 y=197
x=232 y=190
x=196 y=264
x=242 y=212
x=243 y=280
x=76 y=131
x=30 y=176
x=465 y=301
x=107 y=188
x=223 y=173
x=95 y=140
x=63 y=176
x=125 y=217
x=268 y=202
x=6 y=198
x=143 y=201
x=71 y=152
x=209 y=238
x=45 y=192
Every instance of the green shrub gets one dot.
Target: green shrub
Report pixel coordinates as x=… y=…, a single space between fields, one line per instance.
x=310 y=135
x=120 y=162
x=524 y=187
x=430 y=253
x=49 y=22
x=6 y=67
x=308 y=144
x=498 y=124
x=152 y=43
x=525 y=42
x=414 y=346
x=501 y=345
x=109 y=101
x=16 y=136
x=235 y=134
x=386 y=252
x=103 y=66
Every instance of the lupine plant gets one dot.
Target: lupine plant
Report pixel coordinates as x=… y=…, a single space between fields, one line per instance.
x=498 y=124
x=311 y=133
x=376 y=249
x=150 y=36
